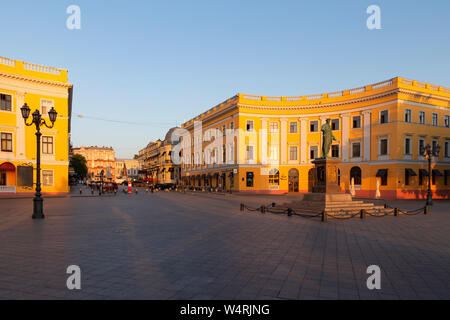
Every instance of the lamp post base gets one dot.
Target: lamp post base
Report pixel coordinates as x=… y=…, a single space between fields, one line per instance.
x=38 y=211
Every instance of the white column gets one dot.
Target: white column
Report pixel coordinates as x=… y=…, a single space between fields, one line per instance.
x=366 y=126
x=263 y=142
x=303 y=140
x=283 y=140
x=344 y=136
x=20 y=133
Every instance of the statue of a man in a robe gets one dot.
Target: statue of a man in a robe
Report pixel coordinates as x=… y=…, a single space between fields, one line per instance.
x=327 y=139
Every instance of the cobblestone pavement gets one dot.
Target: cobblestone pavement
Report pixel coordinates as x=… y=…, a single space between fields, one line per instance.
x=200 y=246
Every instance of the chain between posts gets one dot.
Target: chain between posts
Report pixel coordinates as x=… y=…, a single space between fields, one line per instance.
x=343 y=214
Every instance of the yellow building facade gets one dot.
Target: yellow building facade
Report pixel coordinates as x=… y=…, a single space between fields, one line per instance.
x=41 y=88
x=378 y=128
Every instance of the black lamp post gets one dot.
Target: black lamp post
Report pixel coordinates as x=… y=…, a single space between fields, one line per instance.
x=38 y=212
x=429 y=152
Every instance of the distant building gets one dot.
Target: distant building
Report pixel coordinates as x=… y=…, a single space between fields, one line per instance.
x=156 y=161
x=127 y=169
x=42 y=88
x=98 y=159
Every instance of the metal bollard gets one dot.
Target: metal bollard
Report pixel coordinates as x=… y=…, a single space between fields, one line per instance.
x=263 y=209
x=273 y=204
x=242 y=207
x=324 y=216
x=363 y=214
x=396 y=212
x=289 y=212
x=81 y=191
x=426 y=210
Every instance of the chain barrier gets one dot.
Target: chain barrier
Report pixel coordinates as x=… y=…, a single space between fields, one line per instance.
x=342 y=215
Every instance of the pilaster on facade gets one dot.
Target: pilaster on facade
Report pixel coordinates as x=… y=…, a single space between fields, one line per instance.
x=366 y=132
x=303 y=140
x=345 y=136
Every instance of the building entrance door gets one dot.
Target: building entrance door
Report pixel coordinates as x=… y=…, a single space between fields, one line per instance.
x=293 y=180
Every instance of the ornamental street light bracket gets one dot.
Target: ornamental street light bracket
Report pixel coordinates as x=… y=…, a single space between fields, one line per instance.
x=38 y=212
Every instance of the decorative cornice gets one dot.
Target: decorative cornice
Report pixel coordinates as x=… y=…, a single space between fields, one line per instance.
x=323 y=105
x=35 y=80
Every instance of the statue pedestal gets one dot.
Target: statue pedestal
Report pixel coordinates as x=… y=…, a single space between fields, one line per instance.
x=326 y=176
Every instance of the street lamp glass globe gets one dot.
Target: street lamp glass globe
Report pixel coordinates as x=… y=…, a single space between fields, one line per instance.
x=25 y=111
x=52 y=114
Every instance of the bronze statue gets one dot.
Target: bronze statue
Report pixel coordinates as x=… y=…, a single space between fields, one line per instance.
x=328 y=138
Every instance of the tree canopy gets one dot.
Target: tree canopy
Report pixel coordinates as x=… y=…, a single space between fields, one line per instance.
x=79 y=165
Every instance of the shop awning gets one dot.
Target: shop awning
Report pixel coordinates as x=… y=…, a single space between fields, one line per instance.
x=437 y=173
x=7 y=166
x=382 y=173
x=423 y=172
x=410 y=172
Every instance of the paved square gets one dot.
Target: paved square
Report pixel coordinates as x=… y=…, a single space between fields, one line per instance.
x=200 y=246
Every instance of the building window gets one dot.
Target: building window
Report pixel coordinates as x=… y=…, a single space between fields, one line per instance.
x=6 y=139
x=232 y=126
x=313 y=152
x=274 y=127
x=434 y=119
x=434 y=144
x=421 y=146
x=293 y=127
x=408 y=146
x=5 y=102
x=355 y=174
x=335 y=151
x=447 y=121
x=46 y=105
x=249 y=179
x=446 y=149
x=334 y=124
x=383 y=147
x=47 y=145
x=47 y=178
x=273 y=152
x=293 y=153
x=422 y=117
x=224 y=130
x=408 y=115
x=249 y=125
x=384 y=116
x=274 y=177
x=249 y=152
x=356 y=150
x=314 y=126
x=356 y=122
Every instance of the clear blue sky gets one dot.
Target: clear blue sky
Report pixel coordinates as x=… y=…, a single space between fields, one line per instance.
x=160 y=63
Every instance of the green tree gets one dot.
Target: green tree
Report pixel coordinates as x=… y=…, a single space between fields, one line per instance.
x=78 y=164
x=136 y=156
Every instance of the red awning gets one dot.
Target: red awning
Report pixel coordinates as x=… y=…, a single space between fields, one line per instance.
x=7 y=166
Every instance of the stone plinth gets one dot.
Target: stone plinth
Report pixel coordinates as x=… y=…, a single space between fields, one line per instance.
x=325 y=176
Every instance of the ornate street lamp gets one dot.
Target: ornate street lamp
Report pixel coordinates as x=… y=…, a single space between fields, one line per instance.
x=429 y=152
x=37 y=120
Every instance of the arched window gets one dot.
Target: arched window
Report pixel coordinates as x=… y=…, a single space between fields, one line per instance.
x=355 y=173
